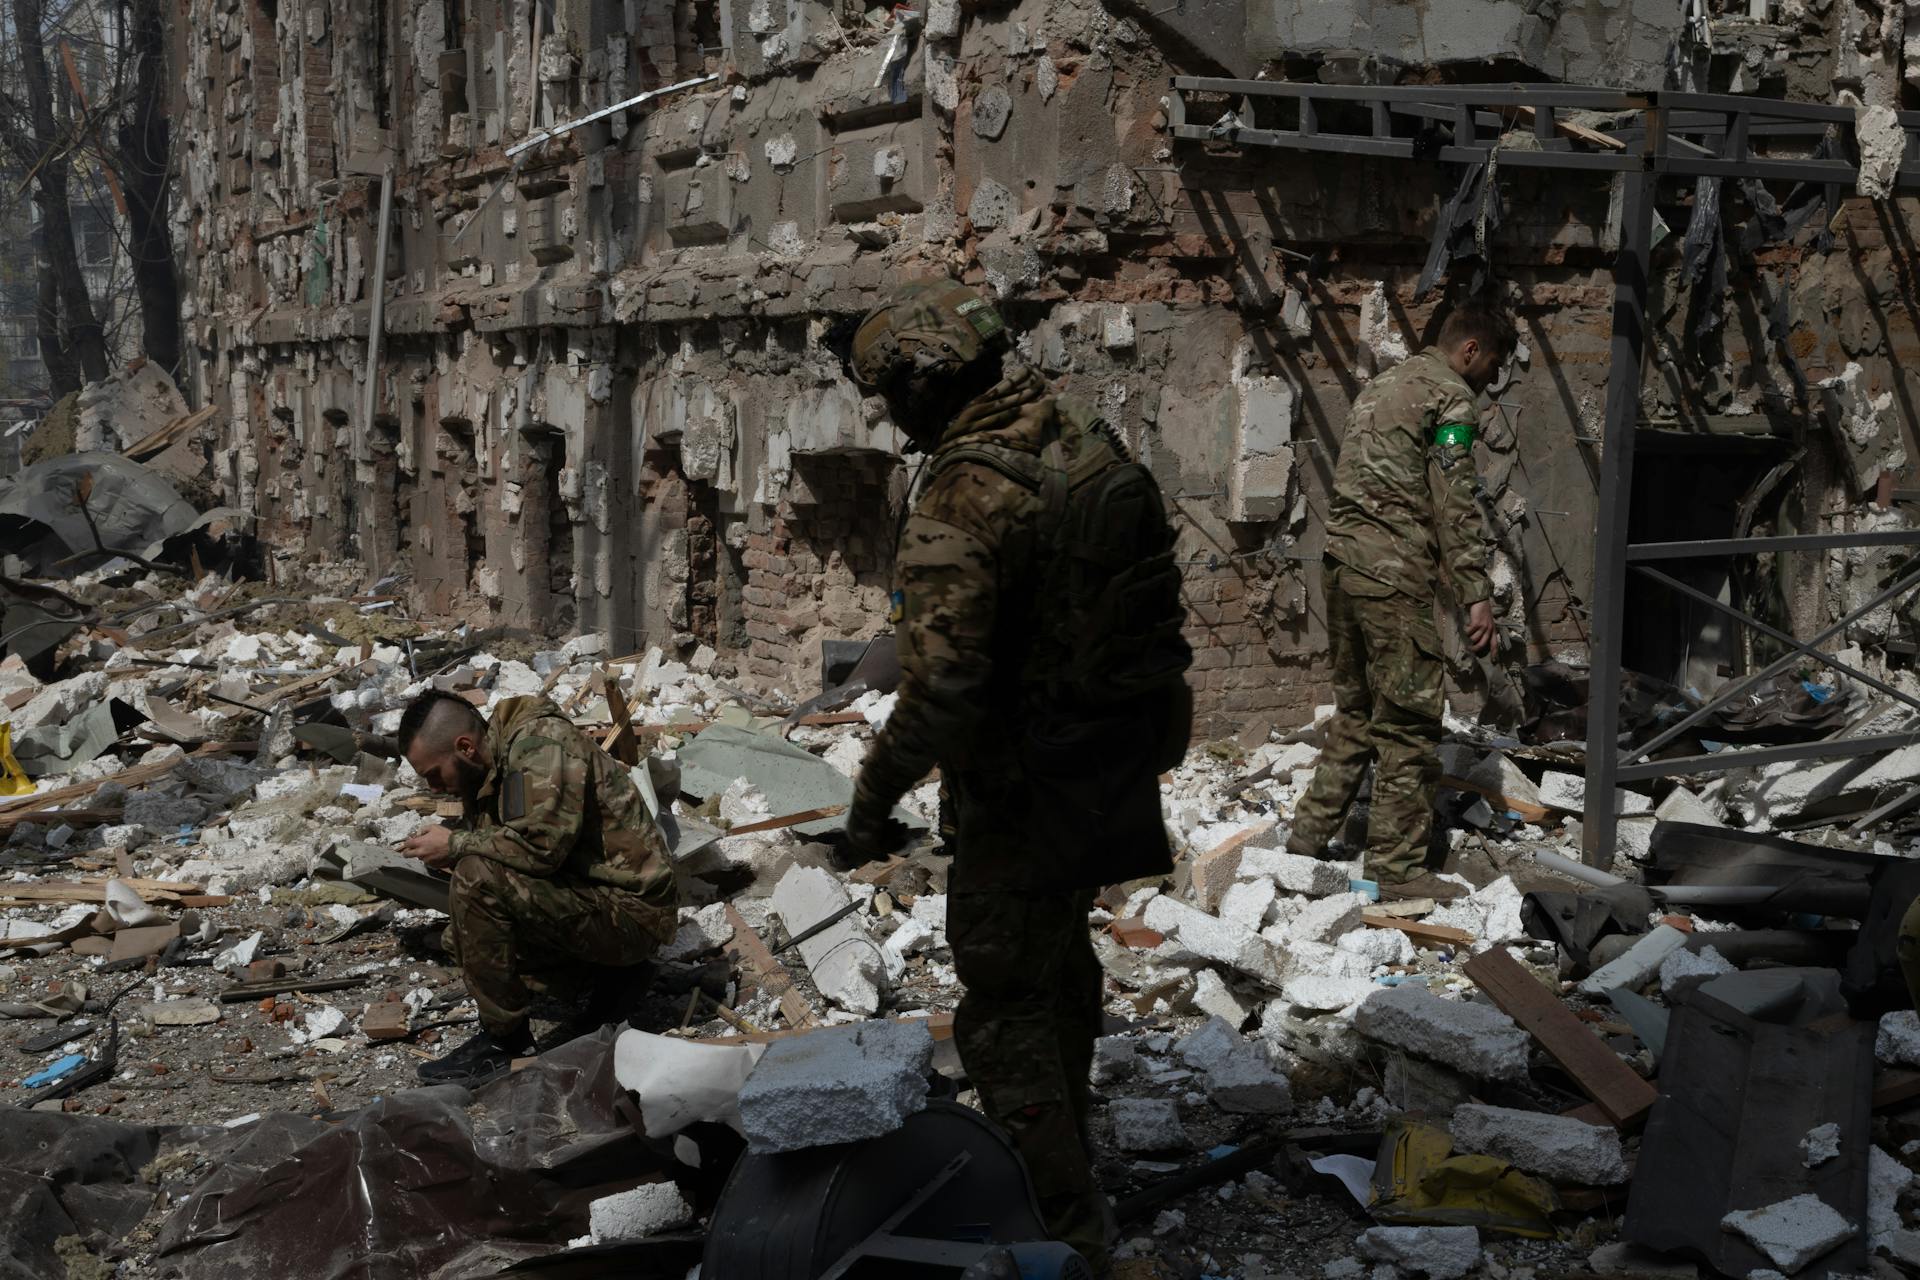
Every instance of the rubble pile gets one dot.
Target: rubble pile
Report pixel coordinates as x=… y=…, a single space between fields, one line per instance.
x=206 y=922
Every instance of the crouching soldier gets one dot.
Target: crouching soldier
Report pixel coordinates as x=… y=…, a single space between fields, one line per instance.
x=560 y=874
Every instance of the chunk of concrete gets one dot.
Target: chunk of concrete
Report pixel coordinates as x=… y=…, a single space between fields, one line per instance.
x=1327 y=919
x=1887 y=1178
x=1683 y=971
x=1637 y=966
x=1411 y=1084
x=1569 y=791
x=1246 y=903
x=1792 y=1233
x=1821 y=1144
x=1212 y=996
x=1439 y=1253
x=839 y=1085
x=700 y=931
x=1472 y=1038
x=843 y=960
x=646 y=1210
x=1326 y=995
x=1898 y=1043
x=1194 y=933
x=1294 y=872
x=1378 y=946
x=1209 y=1045
x=1245 y=1083
x=1556 y=1147
x=1146 y=1124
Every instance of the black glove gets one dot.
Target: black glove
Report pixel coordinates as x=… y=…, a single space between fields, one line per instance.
x=873 y=833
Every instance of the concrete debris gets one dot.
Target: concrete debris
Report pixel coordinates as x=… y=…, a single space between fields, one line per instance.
x=1638 y=965
x=1439 y=1253
x=1378 y=333
x=1568 y=791
x=1559 y=1148
x=1294 y=873
x=1898 y=1041
x=1472 y=1038
x=1213 y=997
x=647 y=1210
x=1887 y=1181
x=1821 y=1144
x=1146 y=1124
x=1114 y=1058
x=1326 y=919
x=1378 y=947
x=843 y=960
x=837 y=1085
x=1684 y=970
x=1793 y=1232
x=1193 y=934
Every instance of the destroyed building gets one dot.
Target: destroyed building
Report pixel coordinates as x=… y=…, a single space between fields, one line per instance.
x=509 y=335
x=600 y=397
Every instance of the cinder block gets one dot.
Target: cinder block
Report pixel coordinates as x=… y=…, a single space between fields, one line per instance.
x=839 y=1085
x=1478 y=1040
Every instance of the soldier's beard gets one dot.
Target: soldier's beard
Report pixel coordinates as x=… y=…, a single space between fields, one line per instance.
x=468 y=775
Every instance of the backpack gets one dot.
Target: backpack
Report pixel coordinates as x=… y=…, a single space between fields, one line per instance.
x=1107 y=661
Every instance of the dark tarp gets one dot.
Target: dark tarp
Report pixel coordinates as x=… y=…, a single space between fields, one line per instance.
x=1874 y=983
x=1737 y=1096
x=1577 y=920
x=67 y=1175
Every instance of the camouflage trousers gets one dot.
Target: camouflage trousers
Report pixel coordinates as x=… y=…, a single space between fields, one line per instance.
x=515 y=934
x=1025 y=1030
x=1386 y=686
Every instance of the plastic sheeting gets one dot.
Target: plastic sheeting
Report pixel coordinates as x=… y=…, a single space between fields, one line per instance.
x=133 y=508
x=1419 y=1181
x=441 y=1182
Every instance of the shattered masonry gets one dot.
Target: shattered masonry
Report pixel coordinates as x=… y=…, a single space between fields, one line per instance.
x=602 y=401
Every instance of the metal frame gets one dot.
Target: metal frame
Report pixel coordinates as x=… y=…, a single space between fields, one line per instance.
x=1647 y=136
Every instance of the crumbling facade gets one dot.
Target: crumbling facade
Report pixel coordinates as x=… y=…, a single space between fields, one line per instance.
x=600 y=398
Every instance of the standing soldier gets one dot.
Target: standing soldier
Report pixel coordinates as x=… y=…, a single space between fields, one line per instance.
x=1403 y=506
x=560 y=875
x=1042 y=670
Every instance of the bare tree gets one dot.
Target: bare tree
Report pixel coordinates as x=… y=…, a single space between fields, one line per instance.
x=143 y=162
x=49 y=170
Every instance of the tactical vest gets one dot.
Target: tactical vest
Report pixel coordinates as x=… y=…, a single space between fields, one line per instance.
x=1107 y=655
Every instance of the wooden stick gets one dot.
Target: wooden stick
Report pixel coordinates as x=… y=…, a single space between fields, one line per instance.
x=790 y=820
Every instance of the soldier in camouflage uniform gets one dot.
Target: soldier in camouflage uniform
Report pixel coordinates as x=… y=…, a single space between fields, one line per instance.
x=559 y=871
x=1027 y=856
x=1403 y=507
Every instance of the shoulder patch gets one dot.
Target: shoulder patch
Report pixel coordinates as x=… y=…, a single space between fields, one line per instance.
x=513 y=796
x=985 y=320
x=1449 y=433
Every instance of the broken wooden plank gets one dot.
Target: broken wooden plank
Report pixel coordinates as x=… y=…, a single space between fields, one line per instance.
x=1891 y=1088
x=1418 y=930
x=768 y=973
x=256 y=990
x=1622 y=1096
x=789 y=820
x=622 y=744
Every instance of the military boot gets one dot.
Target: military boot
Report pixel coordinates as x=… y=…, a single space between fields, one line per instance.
x=484 y=1057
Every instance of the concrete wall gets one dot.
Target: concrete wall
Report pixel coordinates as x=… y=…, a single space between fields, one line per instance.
x=603 y=403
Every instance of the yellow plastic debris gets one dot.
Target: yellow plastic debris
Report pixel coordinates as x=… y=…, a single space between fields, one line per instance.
x=1419 y=1181
x=13 y=779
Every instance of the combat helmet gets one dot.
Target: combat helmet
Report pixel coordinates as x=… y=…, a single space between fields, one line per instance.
x=930 y=331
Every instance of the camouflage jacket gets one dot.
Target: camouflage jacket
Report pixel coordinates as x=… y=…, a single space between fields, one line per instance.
x=966 y=574
x=555 y=804
x=1403 y=491
x=962 y=577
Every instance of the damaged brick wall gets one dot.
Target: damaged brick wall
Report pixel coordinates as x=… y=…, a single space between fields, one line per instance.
x=602 y=400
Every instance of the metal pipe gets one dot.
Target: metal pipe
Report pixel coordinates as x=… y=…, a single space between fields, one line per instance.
x=547 y=134
x=1578 y=870
x=377 y=315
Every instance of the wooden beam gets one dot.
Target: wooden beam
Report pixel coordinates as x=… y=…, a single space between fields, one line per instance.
x=1417 y=930
x=790 y=820
x=769 y=974
x=1622 y=1096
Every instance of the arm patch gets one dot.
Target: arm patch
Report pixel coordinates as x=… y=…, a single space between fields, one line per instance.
x=513 y=796
x=1460 y=433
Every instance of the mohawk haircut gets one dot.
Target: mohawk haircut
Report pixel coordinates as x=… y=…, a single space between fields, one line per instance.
x=1483 y=320
x=414 y=720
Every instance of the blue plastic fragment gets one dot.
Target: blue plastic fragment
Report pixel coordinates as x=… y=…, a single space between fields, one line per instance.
x=1369 y=887
x=48 y=1074
x=1222 y=1151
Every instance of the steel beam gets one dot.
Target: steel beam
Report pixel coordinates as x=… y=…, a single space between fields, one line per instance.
x=1610 y=514
x=1710 y=547
x=1723 y=761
